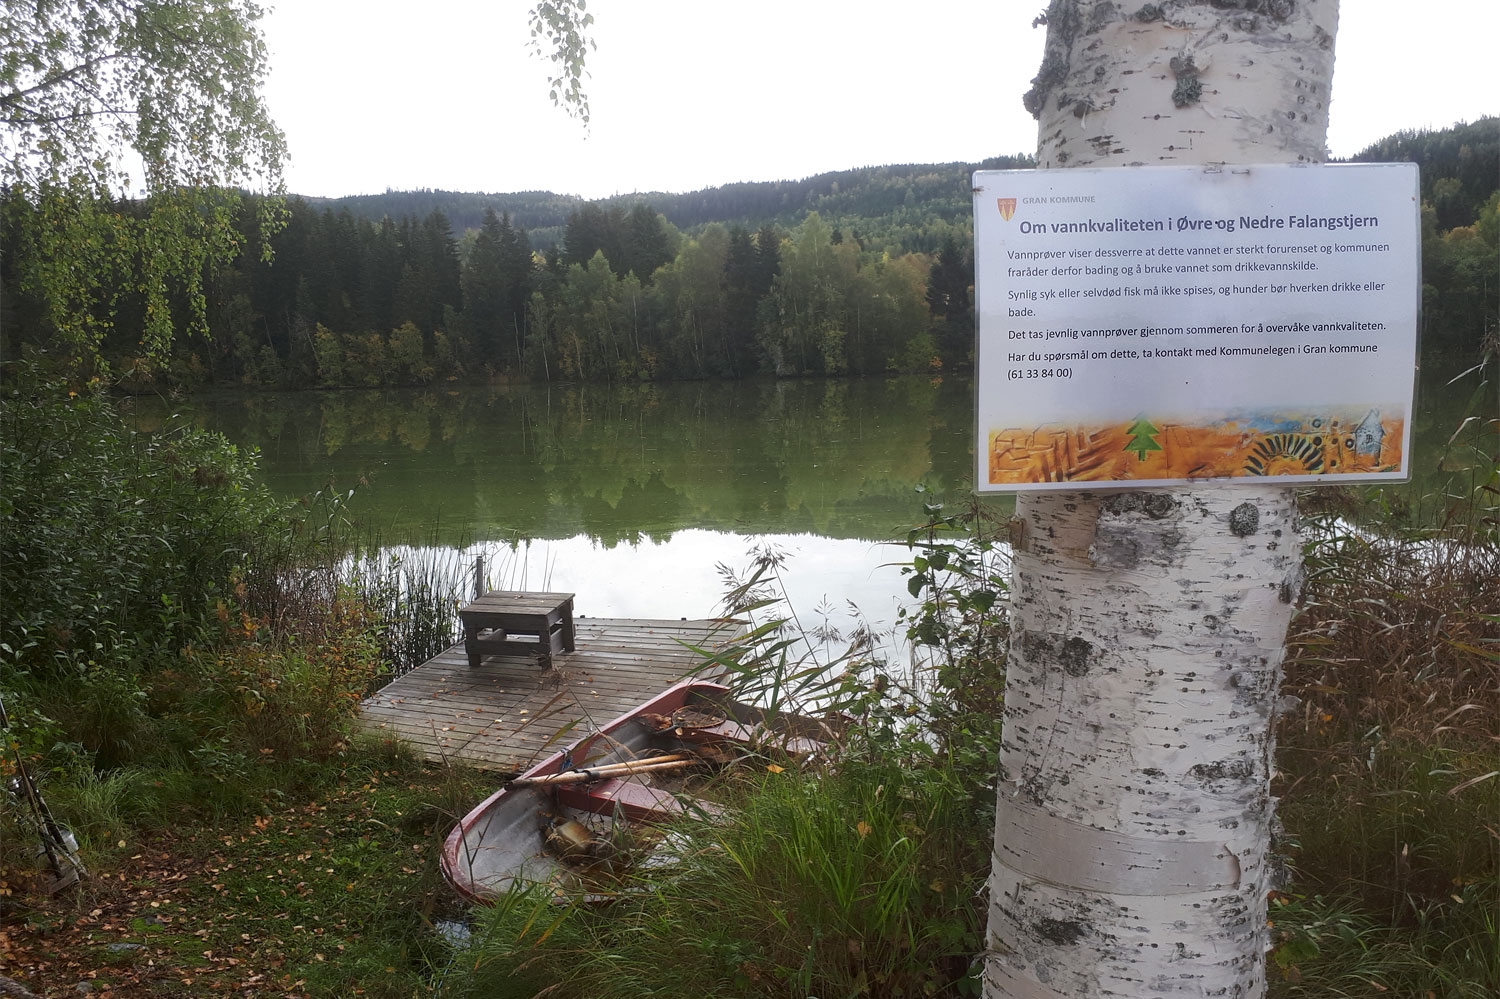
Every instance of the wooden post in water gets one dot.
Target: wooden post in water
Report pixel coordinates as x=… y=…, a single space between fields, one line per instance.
x=479 y=581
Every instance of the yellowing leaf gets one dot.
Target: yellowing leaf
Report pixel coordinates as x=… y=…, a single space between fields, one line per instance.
x=774 y=768
x=863 y=828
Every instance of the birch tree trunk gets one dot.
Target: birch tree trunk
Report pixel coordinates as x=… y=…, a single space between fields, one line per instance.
x=1134 y=815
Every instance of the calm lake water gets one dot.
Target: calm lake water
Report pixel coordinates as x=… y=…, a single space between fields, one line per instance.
x=630 y=497
x=634 y=497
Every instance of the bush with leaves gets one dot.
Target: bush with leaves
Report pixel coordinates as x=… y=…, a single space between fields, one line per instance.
x=158 y=601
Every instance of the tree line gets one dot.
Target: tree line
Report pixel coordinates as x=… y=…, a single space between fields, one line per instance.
x=331 y=298
x=1460 y=172
x=897 y=207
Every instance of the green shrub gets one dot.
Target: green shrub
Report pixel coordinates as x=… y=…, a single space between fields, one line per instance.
x=116 y=544
x=293 y=696
x=161 y=608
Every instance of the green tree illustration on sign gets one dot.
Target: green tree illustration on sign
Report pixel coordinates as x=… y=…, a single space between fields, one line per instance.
x=1142 y=438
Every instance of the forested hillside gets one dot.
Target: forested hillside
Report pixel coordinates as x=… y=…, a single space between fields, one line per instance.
x=858 y=272
x=1460 y=170
x=1460 y=166
x=541 y=213
x=884 y=200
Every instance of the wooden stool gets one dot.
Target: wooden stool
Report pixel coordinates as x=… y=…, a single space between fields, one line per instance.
x=492 y=623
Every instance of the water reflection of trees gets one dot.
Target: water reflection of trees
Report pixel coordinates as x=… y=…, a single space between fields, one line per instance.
x=620 y=463
x=833 y=457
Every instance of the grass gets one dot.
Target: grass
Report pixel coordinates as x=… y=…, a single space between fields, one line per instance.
x=857 y=877
x=1390 y=763
x=854 y=882
x=240 y=839
x=327 y=890
x=1331 y=947
x=317 y=876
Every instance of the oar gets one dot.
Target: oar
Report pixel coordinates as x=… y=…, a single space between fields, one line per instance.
x=581 y=776
x=651 y=765
x=634 y=762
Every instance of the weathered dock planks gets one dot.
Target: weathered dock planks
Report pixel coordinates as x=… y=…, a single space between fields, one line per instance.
x=509 y=712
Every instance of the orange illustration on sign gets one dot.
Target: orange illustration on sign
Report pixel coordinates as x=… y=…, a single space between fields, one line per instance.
x=1355 y=441
x=1007 y=207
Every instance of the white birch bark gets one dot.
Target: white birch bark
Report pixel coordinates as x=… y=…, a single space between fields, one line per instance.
x=1134 y=815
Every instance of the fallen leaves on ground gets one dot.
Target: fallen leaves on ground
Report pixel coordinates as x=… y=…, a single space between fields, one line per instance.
x=275 y=905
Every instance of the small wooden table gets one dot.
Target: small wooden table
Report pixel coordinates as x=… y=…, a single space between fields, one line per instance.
x=492 y=622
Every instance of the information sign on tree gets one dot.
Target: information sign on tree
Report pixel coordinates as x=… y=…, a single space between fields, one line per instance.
x=1167 y=325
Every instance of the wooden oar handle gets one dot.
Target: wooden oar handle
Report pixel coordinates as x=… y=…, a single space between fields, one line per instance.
x=601 y=773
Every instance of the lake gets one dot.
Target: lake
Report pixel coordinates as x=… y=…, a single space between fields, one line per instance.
x=633 y=497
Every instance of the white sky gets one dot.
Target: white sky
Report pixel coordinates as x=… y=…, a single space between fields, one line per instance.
x=686 y=94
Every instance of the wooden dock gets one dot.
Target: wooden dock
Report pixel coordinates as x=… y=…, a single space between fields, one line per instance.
x=509 y=712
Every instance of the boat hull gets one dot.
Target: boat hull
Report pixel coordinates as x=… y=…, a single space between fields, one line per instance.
x=502 y=844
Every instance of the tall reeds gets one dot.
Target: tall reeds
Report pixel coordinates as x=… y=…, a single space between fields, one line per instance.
x=1390 y=759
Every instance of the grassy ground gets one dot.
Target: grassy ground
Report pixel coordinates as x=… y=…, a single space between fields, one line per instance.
x=320 y=879
x=1390 y=771
x=239 y=846
x=327 y=892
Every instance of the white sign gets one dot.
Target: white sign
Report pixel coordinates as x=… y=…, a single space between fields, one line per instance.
x=1165 y=325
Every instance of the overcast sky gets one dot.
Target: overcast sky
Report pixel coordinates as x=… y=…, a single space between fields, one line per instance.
x=685 y=94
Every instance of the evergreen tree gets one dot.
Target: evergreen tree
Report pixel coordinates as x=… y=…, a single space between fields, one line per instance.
x=517 y=268
x=440 y=266
x=588 y=232
x=277 y=290
x=412 y=299
x=1142 y=438
x=949 y=301
x=497 y=286
x=380 y=269
x=430 y=278
x=1460 y=166
x=645 y=242
x=741 y=276
x=332 y=270
x=767 y=258
x=485 y=292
